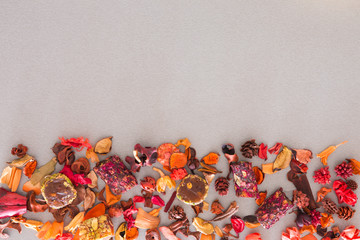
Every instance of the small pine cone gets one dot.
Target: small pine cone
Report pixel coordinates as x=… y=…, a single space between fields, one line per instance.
x=222 y=186
x=249 y=149
x=300 y=199
x=344 y=170
x=352 y=185
x=177 y=213
x=346 y=213
x=329 y=206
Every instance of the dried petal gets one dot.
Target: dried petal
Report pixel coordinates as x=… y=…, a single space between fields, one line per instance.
x=89 y=200
x=145 y=155
x=303 y=155
x=94 y=179
x=211 y=158
x=283 y=159
x=216 y=207
x=322 y=193
x=178 y=160
x=157 y=201
x=259 y=175
x=92 y=156
x=103 y=146
x=64 y=154
x=30 y=168
x=275 y=149
x=326 y=153
x=76 y=179
x=262 y=197
x=237 y=223
x=263 y=151
x=165 y=151
x=184 y=142
x=77 y=143
x=145 y=220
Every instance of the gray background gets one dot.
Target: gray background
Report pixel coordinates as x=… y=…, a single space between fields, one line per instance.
x=156 y=71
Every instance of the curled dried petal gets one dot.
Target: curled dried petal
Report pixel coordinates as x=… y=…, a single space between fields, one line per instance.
x=33 y=205
x=145 y=155
x=94 y=179
x=77 y=143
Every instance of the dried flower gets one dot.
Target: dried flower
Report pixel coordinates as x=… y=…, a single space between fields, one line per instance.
x=81 y=166
x=326 y=153
x=19 y=151
x=322 y=176
x=300 y=199
x=77 y=143
x=344 y=170
x=343 y=193
x=64 y=154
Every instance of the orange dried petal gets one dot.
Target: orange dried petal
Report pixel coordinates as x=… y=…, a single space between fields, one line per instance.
x=267 y=168
x=30 y=168
x=178 y=160
x=259 y=175
x=309 y=228
x=326 y=153
x=184 y=142
x=309 y=237
x=252 y=225
x=207 y=237
x=211 y=158
x=132 y=233
x=262 y=197
x=110 y=197
x=96 y=211
x=322 y=193
x=164 y=153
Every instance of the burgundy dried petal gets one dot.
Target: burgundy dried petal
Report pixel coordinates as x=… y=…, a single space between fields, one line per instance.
x=302 y=219
x=11 y=204
x=157 y=201
x=138 y=199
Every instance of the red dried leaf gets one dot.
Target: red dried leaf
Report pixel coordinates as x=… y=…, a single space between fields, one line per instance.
x=263 y=151
x=78 y=143
x=275 y=149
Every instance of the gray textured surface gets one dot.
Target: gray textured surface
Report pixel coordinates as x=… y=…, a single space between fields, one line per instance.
x=156 y=71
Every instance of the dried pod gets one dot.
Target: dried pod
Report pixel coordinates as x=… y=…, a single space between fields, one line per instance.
x=120 y=233
x=152 y=234
x=81 y=166
x=103 y=146
x=249 y=149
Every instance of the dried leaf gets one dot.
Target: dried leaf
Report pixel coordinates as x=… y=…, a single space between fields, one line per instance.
x=184 y=142
x=89 y=200
x=178 y=160
x=103 y=146
x=283 y=159
x=30 y=168
x=326 y=153
x=145 y=220
x=96 y=211
x=259 y=175
x=211 y=158
x=92 y=156
x=43 y=171
x=94 y=179
x=355 y=165
x=110 y=197
x=203 y=226
x=21 y=161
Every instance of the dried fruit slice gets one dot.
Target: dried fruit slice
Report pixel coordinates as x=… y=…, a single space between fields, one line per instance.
x=164 y=153
x=192 y=190
x=178 y=160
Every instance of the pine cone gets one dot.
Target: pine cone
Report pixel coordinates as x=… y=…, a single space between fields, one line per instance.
x=329 y=206
x=344 y=170
x=301 y=200
x=352 y=185
x=177 y=213
x=222 y=186
x=346 y=213
x=249 y=149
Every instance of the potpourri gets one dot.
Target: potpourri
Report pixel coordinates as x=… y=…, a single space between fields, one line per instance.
x=82 y=211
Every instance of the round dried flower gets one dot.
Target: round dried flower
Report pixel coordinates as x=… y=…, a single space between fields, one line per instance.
x=177 y=213
x=300 y=199
x=322 y=176
x=344 y=170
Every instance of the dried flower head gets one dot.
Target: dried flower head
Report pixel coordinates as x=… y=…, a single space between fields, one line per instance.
x=322 y=176
x=344 y=170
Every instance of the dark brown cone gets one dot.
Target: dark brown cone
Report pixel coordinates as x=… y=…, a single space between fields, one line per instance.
x=329 y=206
x=177 y=213
x=249 y=149
x=345 y=213
x=352 y=185
x=222 y=186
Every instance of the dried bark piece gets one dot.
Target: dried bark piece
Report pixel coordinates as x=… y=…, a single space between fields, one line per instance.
x=232 y=209
x=216 y=207
x=283 y=159
x=211 y=158
x=11 y=177
x=326 y=153
x=176 y=226
x=103 y=146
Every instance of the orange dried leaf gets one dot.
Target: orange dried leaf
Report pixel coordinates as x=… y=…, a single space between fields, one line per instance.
x=211 y=158
x=355 y=165
x=92 y=156
x=309 y=237
x=259 y=175
x=178 y=160
x=30 y=168
x=96 y=211
x=184 y=142
x=267 y=168
x=110 y=197
x=262 y=197
x=326 y=153
x=326 y=220
x=132 y=233
x=322 y=193
x=309 y=228
x=207 y=237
